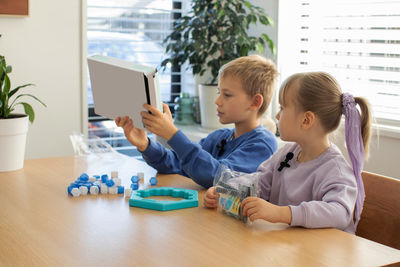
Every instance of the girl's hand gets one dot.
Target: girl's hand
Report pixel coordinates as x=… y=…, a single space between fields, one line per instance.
x=159 y=123
x=258 y=208
x=135 y=136
x=211 y=198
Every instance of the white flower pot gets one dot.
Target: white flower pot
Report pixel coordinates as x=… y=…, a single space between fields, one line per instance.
x=12 y=142
x=208 y=109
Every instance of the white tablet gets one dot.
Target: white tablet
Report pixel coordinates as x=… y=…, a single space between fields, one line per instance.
x=120 y=88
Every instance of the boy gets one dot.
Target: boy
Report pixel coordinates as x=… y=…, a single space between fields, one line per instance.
x=246 y=86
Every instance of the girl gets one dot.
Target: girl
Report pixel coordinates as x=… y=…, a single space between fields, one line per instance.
x=309 y=183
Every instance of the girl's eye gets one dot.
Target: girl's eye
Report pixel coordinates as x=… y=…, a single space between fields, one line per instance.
x=227 y=95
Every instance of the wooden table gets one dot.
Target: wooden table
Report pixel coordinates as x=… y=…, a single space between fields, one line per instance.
x=40 y=225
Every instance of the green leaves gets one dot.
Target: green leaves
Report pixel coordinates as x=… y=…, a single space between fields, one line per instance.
x=270 y=43
x=260 y=48
x=19 y=87
x=266 y=20
x=3 y=71
x=215 y=32
x=6 y=94
x=6 y=85
x=28 y=111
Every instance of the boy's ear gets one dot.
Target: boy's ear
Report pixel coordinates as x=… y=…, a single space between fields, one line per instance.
x=258 y=100
x=308 y=120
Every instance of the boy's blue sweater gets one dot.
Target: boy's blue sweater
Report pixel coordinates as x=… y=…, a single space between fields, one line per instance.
x=201 y=161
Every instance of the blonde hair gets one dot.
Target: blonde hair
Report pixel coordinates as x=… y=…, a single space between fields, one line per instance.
x=257 y=75
x=321 y=94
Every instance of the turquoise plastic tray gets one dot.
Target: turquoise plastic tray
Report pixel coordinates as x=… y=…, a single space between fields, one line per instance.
x=139 y=198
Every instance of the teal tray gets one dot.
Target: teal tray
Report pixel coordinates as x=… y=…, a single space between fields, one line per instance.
x=139 y=198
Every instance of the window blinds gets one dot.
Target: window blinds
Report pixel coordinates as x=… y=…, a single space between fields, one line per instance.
x=357 y=41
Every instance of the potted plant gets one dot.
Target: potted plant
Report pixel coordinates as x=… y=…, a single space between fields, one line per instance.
x=212 y=34
x=13 y=126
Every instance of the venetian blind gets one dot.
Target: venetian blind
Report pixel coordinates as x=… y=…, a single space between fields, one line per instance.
x=357 y=41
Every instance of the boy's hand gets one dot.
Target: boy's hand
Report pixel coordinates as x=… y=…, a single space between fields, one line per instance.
x=135 y=136
x=258 y=208
x=159 y=123
x=211 y=198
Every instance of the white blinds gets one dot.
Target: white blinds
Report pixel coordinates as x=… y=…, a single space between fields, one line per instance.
x=357 y=41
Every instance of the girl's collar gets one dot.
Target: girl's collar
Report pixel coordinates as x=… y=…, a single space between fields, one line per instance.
x=298 y=150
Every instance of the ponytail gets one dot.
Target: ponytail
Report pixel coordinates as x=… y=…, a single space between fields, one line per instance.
x=357 y=127
x=365 y=122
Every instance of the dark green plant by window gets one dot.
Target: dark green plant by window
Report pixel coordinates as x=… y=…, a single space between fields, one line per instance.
x=214 y=33
x=7 y=105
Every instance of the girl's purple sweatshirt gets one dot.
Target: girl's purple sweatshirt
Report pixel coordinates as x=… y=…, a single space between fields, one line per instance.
x=320 y=193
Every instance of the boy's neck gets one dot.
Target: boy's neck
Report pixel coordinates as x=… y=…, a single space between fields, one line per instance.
x=242 y=128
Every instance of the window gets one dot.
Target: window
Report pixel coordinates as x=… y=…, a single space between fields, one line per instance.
x=357 y=41
x=132 y=30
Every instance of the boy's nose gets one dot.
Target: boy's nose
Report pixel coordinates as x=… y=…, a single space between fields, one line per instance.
x=217 y=101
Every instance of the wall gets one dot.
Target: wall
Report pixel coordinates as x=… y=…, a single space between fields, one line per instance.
x=271 y=9
x=383 y=154
x=45 y=49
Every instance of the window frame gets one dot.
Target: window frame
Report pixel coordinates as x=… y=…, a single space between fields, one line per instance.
x=179 y=7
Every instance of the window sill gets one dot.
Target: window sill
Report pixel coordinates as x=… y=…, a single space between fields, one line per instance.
x=387 y=131
x=195 y=133
x=380 y=130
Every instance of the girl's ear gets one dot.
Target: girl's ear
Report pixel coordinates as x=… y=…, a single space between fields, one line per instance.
x=258 y=100
x=308 y=120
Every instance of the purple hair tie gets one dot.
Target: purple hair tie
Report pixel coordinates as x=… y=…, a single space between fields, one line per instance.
x=355 y=147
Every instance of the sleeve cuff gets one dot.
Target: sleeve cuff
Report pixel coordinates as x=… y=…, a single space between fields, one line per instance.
x=151 y=149
x=298 y=215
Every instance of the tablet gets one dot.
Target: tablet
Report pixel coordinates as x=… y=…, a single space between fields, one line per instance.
x=120 y=88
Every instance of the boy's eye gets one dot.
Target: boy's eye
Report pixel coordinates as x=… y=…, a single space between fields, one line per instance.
x=227 y=95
